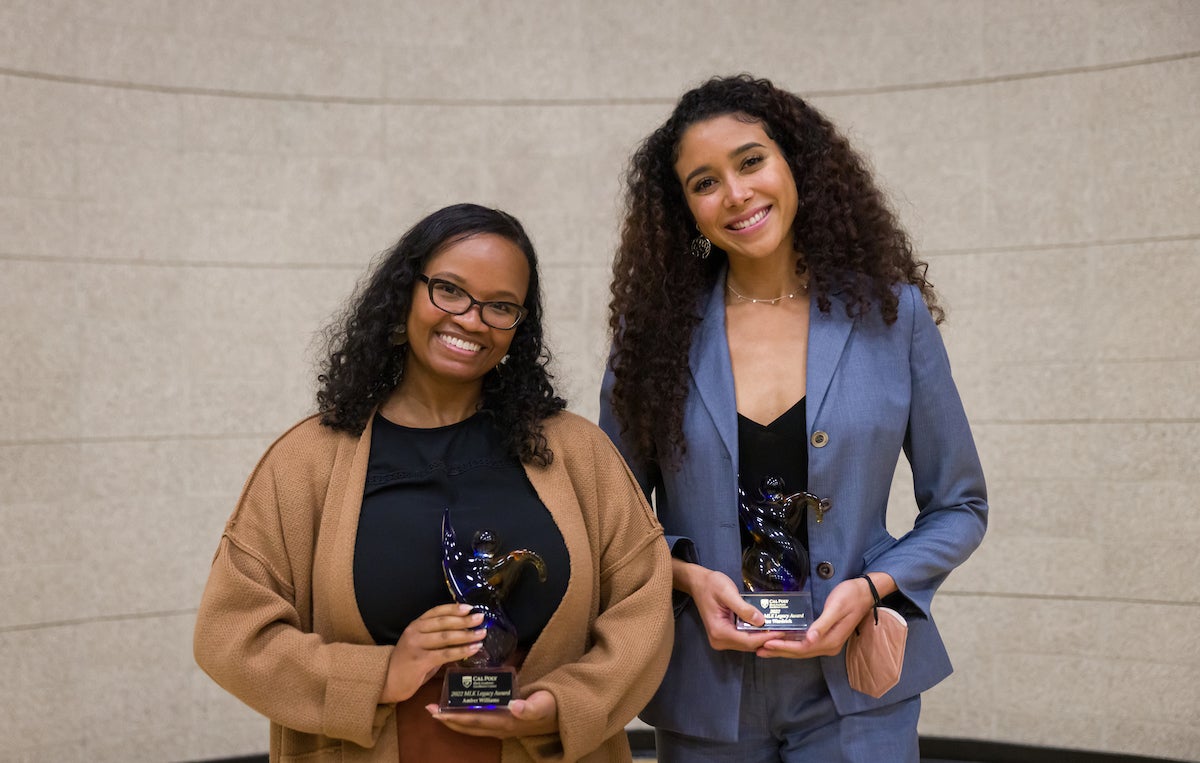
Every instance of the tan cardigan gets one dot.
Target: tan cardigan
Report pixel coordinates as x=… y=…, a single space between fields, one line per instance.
x=279 y=626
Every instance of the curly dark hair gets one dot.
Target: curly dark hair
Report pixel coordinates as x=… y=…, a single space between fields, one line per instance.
x=847 y=238
x=364 y=367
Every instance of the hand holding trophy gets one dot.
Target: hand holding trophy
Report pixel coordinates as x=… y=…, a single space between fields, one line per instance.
x=775 y=564
x=483 y=579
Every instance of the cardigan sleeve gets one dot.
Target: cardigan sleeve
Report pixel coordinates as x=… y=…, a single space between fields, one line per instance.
x=253 y=631
x=629 y=641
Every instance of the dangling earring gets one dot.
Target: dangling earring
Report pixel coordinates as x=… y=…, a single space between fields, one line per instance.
x=399 y=335
x=701 y=246
x=399 y=372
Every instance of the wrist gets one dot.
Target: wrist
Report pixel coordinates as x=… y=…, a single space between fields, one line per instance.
x=884 y=584
x=682 y=575
x=397 y=685
x=867 y=586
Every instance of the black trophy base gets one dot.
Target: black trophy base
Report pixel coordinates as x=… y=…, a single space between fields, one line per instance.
x=789 y=611
x=478 y=689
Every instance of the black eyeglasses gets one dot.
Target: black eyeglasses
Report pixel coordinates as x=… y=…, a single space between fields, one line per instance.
x=455 y=300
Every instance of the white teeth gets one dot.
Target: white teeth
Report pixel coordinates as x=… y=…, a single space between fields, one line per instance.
x=749 y=220
x=462 y=344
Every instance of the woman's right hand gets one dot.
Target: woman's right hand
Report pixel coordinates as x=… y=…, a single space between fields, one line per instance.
x=446 y=633
x=719 y=601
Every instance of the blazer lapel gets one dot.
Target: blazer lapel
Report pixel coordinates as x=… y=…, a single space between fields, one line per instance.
x=827 y=335
x=712 y=370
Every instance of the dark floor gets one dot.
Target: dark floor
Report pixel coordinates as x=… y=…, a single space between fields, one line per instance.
x=941 y=750
x=933 y=750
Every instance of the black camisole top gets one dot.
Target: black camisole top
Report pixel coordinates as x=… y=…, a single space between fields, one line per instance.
x=778 y=449
x=412 y=476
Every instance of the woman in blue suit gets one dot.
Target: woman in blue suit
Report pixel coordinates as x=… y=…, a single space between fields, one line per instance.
x=770 y=320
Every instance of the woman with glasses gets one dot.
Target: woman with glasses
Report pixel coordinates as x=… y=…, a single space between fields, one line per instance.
x=771 y=326
x=328 y=607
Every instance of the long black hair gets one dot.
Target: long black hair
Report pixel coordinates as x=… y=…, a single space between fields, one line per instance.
x=847 y=239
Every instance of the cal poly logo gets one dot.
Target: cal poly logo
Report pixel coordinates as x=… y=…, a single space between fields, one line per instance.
x=466 y=682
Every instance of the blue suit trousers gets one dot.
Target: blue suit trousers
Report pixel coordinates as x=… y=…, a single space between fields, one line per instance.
x=788 y=716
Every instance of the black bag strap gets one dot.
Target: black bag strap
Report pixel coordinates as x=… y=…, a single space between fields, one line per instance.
x=874 y=595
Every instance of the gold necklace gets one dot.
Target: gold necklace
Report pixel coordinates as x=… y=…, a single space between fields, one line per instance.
x=775 y=301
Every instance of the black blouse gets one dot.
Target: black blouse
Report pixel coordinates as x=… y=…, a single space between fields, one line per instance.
x=778 y=449
x=412 y=476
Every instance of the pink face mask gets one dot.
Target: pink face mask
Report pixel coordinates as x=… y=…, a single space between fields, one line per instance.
x=875 y=652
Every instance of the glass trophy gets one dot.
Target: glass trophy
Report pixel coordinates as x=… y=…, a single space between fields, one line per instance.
x=775 y=563
x=482 y=578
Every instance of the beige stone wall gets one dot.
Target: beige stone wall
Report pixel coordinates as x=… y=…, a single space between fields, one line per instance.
x=190 y=189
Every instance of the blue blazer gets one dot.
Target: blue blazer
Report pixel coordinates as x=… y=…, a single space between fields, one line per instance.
x=873 y=391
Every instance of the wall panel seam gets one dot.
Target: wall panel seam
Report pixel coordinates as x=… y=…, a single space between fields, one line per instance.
x=601 y=101
x=1058 y=245
x=960 y=594
x=165 y=614
x=241 y=265
x=111 y=439
x=336 y=266
x=1187 y=421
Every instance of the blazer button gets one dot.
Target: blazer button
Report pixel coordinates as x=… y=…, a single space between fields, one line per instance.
x=819 y=439
x=825 y=570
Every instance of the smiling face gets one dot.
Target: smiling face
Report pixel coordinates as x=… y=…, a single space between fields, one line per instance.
x=739 y=188
x=458 y=350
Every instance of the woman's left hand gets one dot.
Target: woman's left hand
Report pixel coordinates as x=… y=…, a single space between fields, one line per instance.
x=846 y=605
x=537 y=714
